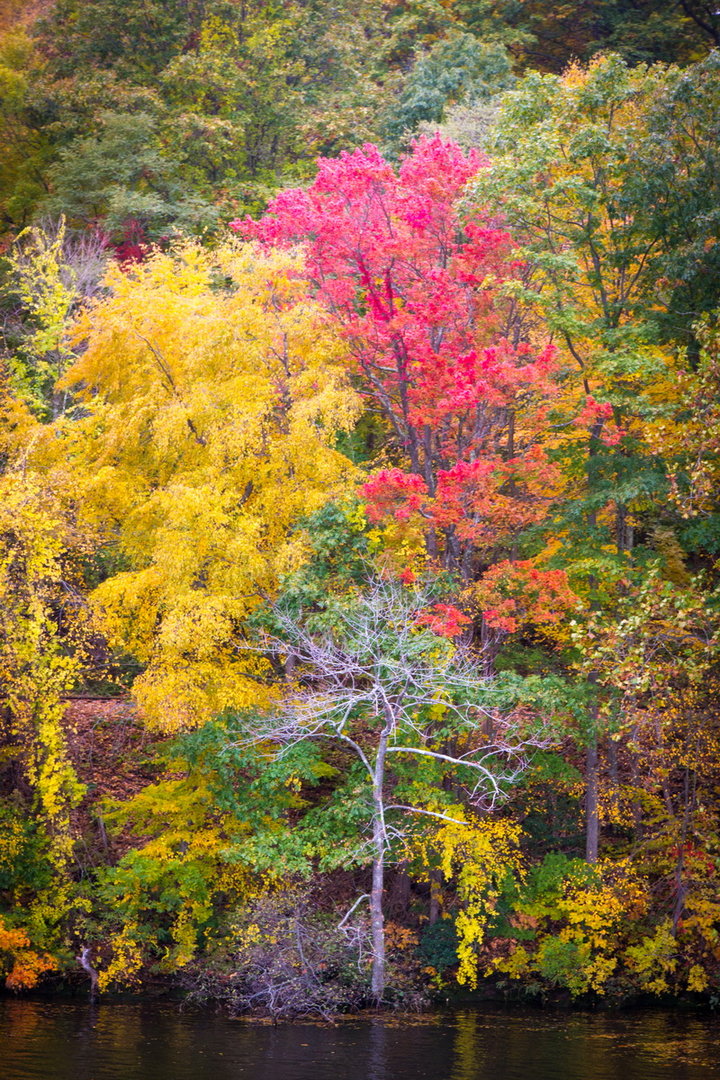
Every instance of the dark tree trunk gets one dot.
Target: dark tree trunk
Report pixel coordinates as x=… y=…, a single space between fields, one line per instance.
x=435 y=883
x=592 y=814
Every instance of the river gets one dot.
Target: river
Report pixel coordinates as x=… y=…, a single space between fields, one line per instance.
x=70 y=1041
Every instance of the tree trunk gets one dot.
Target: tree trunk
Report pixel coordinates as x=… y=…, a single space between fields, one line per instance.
x=85 y=963
x=376 y=912
x=398 y=901
x=592 y=816
x=377 y=919
x=435 y=893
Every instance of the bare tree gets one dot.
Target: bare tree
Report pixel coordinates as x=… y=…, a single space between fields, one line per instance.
x=377 y=682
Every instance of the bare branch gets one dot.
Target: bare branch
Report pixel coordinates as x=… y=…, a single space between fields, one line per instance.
x=346 y=916
x=429 y=813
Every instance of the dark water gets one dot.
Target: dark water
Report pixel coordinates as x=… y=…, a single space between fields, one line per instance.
x=40 y=1041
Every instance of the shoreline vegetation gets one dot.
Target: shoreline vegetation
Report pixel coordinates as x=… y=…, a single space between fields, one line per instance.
x=359 y=503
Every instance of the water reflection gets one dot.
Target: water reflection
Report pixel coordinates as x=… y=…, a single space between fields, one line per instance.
x=468 y=1050
x=63 y=1041
x=377 y=1051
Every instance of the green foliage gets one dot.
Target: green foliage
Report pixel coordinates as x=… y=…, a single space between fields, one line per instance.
x=235 y=97
x=26 y=152
x=216 y=838
x=340 y=547
x=120 y=174
x=439 y=944
x=675 y=196
x=43 y=286
x=25 y=868
x=458 y=68
x=138 y=40
x=161 y=899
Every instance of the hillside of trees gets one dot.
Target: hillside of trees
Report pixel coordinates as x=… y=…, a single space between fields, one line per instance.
x=359 y=503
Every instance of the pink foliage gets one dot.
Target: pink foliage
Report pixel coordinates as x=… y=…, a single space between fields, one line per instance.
x=414 y=290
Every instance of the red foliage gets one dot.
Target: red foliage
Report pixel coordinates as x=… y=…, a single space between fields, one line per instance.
x=514 y=594
x=415 y=292
x=445 y=620
x=598 y=416
x=134 y=246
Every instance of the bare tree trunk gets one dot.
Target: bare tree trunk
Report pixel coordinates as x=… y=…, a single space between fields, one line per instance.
x=377 y=919
x=379 y=844
x=84 y=961
x=376 y=912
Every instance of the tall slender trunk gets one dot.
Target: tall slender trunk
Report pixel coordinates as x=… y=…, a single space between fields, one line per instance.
x=377 y=918
x=592 y=815
x=376 y=912
x=435 y=893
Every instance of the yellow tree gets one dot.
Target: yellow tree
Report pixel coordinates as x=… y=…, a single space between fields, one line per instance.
x=209 y=398
x=40 y=615
x=43 y=625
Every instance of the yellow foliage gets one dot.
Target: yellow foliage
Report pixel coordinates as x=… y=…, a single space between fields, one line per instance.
x=126 y=961
x=212 y=394
x=577 y=932
x=689 y=432
x=698 y=979
x=477 y=857
x=174 y=877
x=37 y=668
x=654 y=960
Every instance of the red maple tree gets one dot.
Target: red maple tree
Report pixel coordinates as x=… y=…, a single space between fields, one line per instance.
x=417 y=292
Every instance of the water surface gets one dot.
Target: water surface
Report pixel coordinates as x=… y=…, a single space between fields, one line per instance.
x=68 y=1041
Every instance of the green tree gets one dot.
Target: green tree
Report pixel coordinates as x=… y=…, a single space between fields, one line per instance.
x=121 y=174
x=565 y=177
x=137 y=40
x=458 y=68
x=676 y=196
x=27 y=151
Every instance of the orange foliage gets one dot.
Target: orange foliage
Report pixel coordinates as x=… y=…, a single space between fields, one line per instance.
x=20 y=964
